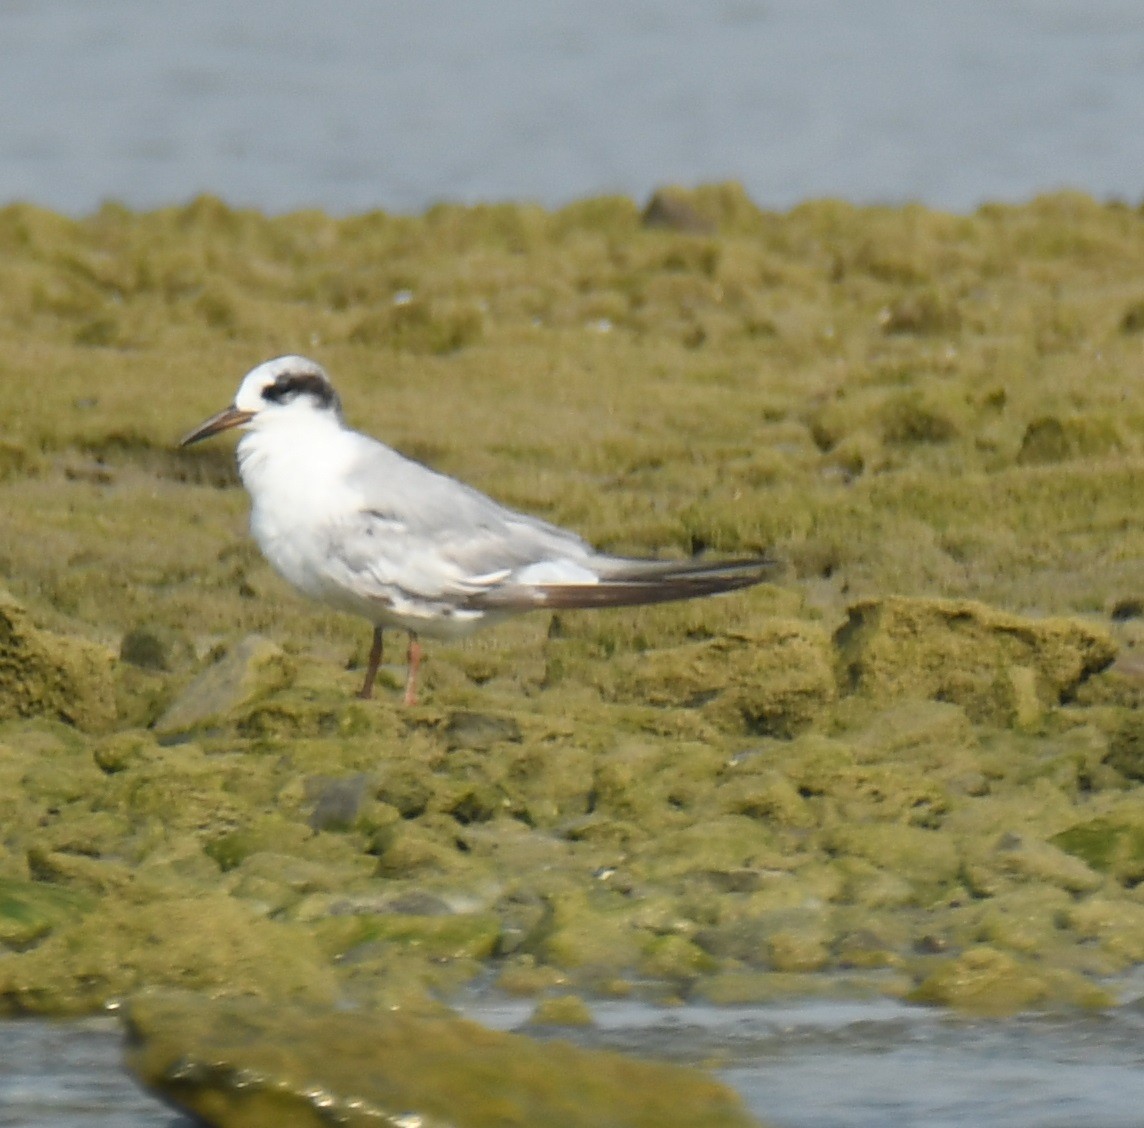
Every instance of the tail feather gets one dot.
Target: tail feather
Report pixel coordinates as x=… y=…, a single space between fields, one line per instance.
x=627 y=583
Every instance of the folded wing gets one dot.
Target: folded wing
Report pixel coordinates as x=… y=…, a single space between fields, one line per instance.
x=422 y=539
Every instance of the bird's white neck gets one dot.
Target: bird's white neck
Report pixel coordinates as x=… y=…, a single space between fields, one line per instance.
x=294 y=458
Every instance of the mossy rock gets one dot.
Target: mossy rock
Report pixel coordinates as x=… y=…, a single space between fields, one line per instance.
x=244 y=1062
x=452 y=936
x=248 y=672
x=209 y=942
x=985 y=980
x=1126 y=746
x=774 y=681
x=561 y=1010
x=1117 y=925
x=996 y=665
x=52 y=675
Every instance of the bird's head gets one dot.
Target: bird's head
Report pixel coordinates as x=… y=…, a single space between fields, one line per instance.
x=279 y=389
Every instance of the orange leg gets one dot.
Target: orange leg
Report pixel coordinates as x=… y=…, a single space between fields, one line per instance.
x=414 y=659
x=371 y=669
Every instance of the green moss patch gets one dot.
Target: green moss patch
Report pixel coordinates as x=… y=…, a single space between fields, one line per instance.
x=911 y=763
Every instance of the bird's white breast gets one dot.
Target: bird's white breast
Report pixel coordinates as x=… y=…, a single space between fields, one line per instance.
x=296 y=477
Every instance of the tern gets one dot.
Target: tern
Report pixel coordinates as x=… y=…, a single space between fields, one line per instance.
x=356 y=525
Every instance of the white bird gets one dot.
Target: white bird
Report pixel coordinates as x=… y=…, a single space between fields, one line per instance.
x=357 y=526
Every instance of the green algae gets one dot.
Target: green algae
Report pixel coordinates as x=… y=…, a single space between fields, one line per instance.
x=911 y=750
x=1108 y=845
x=29 y=910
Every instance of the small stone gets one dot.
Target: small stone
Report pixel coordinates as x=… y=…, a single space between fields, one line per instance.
x=671 y=210
x=478 y=732
x=337 y=802
x=254 y=668
x=561 y=1010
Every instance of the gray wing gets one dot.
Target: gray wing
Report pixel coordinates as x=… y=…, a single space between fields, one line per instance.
x=427 y=545
x=425 y=536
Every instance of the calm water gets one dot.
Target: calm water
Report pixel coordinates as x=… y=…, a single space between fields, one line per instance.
x=365 y=103
x=813 y=1065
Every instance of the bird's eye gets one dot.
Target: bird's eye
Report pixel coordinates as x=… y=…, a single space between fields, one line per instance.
x=290 y=385
x=279 y=391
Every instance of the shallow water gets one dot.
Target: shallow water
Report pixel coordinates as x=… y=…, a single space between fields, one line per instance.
x=806 y=1065
x=400 y=105
x=70 y=1075
x=869 y=1064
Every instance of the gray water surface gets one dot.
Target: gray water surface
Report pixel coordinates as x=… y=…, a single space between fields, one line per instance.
x=806 y=1065
x=872 y=1064
x=70 y=1075
x=360 y=105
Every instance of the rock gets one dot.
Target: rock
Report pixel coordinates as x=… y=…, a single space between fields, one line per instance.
x=990 y=662
x=1044 y=864
x=773 y=681
x=337 y=802
x=985 y=980
x=155 y=648
x=339 y=929
x=478 y=732
x=242 y=1062
x=253 y=669
x=561 y=1010
x=1117 y=925
x=674 y=210
x=52 y=675
x=1126 y=749
x=209 y=942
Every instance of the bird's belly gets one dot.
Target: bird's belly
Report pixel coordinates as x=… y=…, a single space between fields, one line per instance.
x=298 y=555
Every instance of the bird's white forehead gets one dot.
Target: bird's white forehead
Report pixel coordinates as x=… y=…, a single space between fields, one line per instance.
x=249 y=396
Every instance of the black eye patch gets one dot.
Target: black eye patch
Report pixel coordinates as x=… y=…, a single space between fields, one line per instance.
x=289 y=386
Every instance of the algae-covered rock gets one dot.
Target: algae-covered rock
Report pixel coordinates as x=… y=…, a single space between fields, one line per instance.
x=985 y=980
x=438 y=937
x=208 y=942
x=52 y=675
x=1046 y=864
x=1117 y=925
x=968 y=653
x=561 y=1010
x=252 y=669
x=775 y=680
x=244 y=1063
